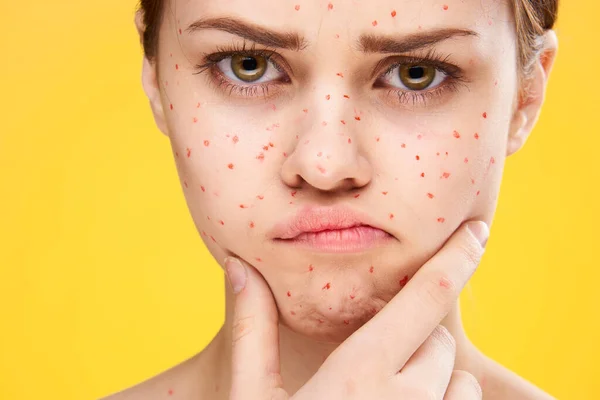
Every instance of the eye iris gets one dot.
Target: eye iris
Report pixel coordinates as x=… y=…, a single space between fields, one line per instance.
x=248 y=68
x=417 y=77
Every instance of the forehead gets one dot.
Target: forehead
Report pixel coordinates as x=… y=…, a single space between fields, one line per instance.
x=351 y=17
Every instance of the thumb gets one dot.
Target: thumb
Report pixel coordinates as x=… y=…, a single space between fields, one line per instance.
x=255 y=335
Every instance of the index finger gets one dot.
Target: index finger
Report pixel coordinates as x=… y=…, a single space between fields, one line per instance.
x=397 y=331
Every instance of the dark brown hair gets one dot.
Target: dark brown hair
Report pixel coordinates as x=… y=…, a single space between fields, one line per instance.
x=532 y=18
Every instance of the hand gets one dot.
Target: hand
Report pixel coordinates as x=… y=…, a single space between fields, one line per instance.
x=411 y=357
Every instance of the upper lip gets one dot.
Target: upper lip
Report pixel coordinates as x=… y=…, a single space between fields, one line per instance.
x=319 y=218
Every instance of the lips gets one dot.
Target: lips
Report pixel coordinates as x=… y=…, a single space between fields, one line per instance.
x=313 y=219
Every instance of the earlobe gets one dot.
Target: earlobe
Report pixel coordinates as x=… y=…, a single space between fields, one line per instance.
x=528 y=111
x=152 y=90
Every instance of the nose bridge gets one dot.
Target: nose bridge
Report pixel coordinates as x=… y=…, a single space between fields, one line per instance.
x=327 y=154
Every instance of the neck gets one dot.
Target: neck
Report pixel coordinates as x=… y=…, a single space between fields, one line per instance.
x=301 y=357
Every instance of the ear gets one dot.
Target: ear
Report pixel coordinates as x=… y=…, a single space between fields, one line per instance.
x=150 y=80
x=530 y=105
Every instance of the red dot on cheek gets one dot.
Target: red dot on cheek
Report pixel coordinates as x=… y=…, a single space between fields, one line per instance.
x=445 y=7
x=394 y=13
x=456 y=134
x=310 y=268
x=441 y=220
x=374 y=23
x=251 y=224
x=171 y=106
x=371 y=269
x=484 y=115
x=327 y=286
x=207 y=143
x=391 y=216
x=330 y=6
x=297 y=7
x=170 y=392
x=230 y=166
x=289 y=294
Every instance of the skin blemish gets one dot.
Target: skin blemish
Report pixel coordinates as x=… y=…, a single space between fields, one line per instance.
x=430 y=195
x=484 y=115
x=422 y=174
x=170 y=392
x=327 y=286
x=289 y=294
x=293 y=312
x=203 y=189
x=340 y=74
x=260 y=156
x=195 y=120
x=235 y=139
x=213 y=239
x=330 y=6
x=177 y=154
x=171 y=106
x=198 y=105
x=243 y=206
x=393 y=13
x=189 y=152
x=477 y=194
x=456 y=134
x=356 y=195
x=177 y=66
x=377 y=139
x=371 y=269
x=330 y=308
x=230 y=166
x=357 y=118
x=258 y=259
x=352 y=297
x=222 y=222
x=476 y=136
x=374 y=23
x=207 y=143
x=444 y=282
x=328 y=97
x=403 y=281
x=418 y=158
x=466 y=160
x=445 y=175
x=260 y=197
x=445 y=7
x=321 y=169
x=343 y=122
x=284 y=154
x=319 y=154
x=391 y=216
x=185 y=184
x=347 y=322
x=492 y=160
x=419 y=137
x=384 y=193
x=403 y=145
x=346 y=96
x=180 y=32
x=441 y=220
x=294 y=193
x=324 y=123
x=310 y=268
x=297 y=7
x=251 y=224
x=305 y=110
x=349 y=141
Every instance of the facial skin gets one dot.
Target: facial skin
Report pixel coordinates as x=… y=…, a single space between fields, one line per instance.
x=332 y=130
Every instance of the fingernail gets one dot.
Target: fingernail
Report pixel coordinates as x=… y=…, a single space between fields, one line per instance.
x=236 y=274
x=480 y=230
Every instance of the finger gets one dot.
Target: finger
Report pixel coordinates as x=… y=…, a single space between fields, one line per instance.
x=432 y=364
x=410 y=317
x=255 y=340
x=463 y=386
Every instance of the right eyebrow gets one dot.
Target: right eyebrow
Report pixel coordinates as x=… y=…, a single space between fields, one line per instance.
x=367 y=43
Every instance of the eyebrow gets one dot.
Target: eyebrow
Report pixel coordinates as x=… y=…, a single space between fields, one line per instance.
x=367 y=43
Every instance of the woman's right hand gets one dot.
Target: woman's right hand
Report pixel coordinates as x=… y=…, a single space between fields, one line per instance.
x=401 y=353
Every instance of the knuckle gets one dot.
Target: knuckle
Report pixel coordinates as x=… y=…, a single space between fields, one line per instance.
x=468 y=381
x=438 y=289
x=444 y=339
x=241 y=327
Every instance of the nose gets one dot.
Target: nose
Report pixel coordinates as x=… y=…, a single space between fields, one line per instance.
x=328 y=157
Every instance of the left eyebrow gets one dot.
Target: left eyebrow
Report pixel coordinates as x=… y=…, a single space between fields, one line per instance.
x=389 y=44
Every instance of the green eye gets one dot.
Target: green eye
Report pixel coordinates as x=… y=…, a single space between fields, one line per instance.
x=248 y=68
x=416 y=77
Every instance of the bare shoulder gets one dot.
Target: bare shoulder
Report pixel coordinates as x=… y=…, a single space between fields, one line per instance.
x=179 y=382
x=502 y=383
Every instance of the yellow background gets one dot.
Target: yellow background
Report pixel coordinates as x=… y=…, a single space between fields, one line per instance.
x=104 y=281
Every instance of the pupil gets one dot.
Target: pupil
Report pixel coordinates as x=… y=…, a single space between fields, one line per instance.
x=416 y=72
x=249 y=64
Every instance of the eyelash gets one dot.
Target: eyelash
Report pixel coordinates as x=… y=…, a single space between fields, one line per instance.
x=454 y=76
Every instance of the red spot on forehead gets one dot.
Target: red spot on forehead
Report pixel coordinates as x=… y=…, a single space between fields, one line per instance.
x=297 y=7
x=235 y=139
x=456 y=135
x=371 y=269
x=441 y=220
x=243 y=206
x=180 y=32
x=198 y=105
x=446 y=175
x=445 y=7
x=258 y=259
x=384 y=193
x=422 y=174
x=377 y=139
x=305 y=110
x=260 y=197
x=357 y=118
x=293 y=312
x=478 y=193
x=171 y=390
x=346 y=96
x=341 y=75
x=343 y=122
x=189 y=152
x=171 y=106
x=230 y=166
x=195 y=119
x=176 y=66
x=484 y=115
x=430 y=195
x=476 y=136
x=289 y=294
x=349 y=140
x=374 y=23
x=260 y=156
x=207 y=143
x=327 y=286
x=330 y=6
x=310 y=267
x=466 y=160
x=391 y=216
x=203 y=189
x=222 y=222
x=393 y=13
x=403 y=145
x=328 y=97
x=418 y=158
x=321 y=169
x=251 y=225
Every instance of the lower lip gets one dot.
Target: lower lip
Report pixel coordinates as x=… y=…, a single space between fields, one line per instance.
x=349 y=240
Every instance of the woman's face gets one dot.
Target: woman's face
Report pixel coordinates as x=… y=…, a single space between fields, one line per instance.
x=318 y=103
